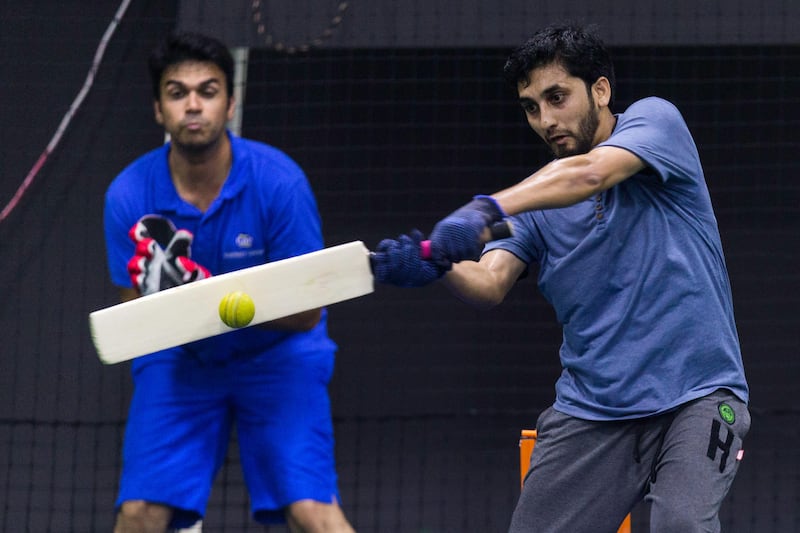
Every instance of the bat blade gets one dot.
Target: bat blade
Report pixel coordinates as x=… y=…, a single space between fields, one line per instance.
x=190 y=312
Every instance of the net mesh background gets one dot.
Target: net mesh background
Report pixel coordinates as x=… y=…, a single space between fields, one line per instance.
x=429 y=395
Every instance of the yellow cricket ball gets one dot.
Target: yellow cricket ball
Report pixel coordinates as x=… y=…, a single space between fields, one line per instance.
x=237 y=309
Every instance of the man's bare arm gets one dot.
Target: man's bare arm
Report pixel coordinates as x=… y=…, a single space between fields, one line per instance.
x=567 y=181
x=484 y=284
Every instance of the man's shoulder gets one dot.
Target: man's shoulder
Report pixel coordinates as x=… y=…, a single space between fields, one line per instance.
x=148 y=158
x=652 y=106
x=252 y=148
x=262 y=155
x=141 y=167
x=651 y=114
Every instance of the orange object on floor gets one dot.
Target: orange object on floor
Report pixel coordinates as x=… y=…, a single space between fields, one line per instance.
x=527 y=440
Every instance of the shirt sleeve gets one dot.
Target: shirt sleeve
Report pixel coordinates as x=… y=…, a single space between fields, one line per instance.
x=294 y=226
x=654 y=130
x=119 y=247
x=526 y=242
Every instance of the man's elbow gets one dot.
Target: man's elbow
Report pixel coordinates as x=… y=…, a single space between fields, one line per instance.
x=482 y=300
x=593 y=182
x=299 y=322
x=308 y=320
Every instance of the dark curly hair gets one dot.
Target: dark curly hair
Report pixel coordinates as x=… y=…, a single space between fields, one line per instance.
x=180 y=46
x=579 y=50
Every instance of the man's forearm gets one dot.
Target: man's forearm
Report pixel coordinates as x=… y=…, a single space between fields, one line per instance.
x=567 y=181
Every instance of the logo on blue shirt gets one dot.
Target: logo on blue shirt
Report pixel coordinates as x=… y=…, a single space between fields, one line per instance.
x=243 y=240
x=243 y=249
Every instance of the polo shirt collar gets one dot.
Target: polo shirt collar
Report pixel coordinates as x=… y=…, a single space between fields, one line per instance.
x=166 y=196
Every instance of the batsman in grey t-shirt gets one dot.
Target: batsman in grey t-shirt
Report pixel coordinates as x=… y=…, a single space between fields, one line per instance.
x=652 y=399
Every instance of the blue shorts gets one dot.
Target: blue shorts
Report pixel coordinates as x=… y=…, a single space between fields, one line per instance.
x=180 y=420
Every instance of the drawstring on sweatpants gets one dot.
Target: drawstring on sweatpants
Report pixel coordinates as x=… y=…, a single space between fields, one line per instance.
x=662 y=434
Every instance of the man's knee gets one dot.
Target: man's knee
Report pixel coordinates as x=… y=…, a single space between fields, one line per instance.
x=683 y=519
x=309 y=516
x=139 y=516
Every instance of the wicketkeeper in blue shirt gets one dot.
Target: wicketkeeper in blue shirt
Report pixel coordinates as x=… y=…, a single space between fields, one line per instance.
x=207 y=203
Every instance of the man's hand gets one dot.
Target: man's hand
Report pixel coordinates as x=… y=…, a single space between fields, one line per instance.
x=182 y=268
x=458 y=236
x=162 y=256
x=400 y=263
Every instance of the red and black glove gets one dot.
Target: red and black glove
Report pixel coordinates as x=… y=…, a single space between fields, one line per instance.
x=162 y=256
x=178 y=253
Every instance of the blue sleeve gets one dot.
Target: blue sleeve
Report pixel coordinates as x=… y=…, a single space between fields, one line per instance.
x=654 y=130
x=293 y=225
x=116 y=224
x=296 y=227
x=526 y=242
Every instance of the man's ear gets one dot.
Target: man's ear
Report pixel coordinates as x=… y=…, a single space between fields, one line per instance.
x=601 y=89
x=231 y=107
x=157 y=112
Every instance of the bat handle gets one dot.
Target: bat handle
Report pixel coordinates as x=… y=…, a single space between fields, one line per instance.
x=498 y=230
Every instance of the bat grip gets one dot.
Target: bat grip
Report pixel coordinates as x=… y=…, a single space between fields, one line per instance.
x=498 y=230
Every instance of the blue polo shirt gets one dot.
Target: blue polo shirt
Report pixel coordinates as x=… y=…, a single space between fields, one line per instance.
x=638 y=280
x=265 y=212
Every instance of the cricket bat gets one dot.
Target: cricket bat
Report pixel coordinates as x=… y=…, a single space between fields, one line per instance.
x=190 y=312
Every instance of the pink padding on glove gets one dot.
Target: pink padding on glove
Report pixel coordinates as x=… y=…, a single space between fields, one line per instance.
x=425 y=249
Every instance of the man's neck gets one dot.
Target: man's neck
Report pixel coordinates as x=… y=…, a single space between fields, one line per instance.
x=608 y=121
x=199 y=176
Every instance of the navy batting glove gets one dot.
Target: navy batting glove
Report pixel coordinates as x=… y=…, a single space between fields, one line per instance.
x=399 y=262
x=457 y=237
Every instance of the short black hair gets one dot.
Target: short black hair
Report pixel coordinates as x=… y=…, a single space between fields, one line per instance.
x=579 y=50
x=180 y=46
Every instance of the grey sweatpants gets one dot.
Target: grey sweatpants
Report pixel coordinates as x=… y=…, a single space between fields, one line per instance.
x=586 y=476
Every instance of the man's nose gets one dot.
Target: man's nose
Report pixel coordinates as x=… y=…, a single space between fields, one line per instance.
x=193 y=101
x=546 y=118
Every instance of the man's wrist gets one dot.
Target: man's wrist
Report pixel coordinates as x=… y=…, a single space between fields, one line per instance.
x=490 y=207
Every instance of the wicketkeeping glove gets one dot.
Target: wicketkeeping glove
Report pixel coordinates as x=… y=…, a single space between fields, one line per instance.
x=178 y=254
x=162 y=256
x=457 y=237
x=400 y=263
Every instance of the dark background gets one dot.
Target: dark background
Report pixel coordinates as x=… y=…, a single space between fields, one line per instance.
x=429 y=395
